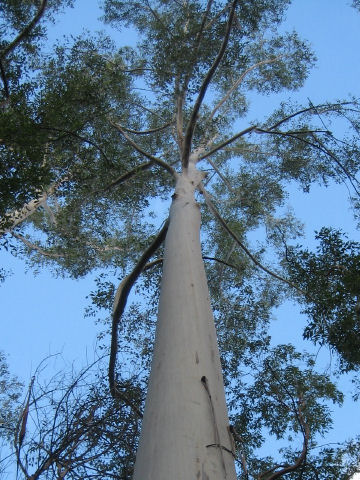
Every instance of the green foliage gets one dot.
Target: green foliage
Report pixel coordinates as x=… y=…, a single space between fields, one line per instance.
x=331 y=279
x=84 y=123
x=10 y=396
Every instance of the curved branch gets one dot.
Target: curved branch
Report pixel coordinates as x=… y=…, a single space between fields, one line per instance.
x=121 y=296
x=26 y=30
x=324 y=106
x=320 y=146
x=241 y=245
x=299 y=460
x=194 y=114
x=156 y=160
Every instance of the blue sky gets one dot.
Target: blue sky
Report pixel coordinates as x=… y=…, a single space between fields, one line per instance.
x=42 y=315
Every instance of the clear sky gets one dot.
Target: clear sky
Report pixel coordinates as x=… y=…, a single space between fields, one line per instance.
x=41 y=314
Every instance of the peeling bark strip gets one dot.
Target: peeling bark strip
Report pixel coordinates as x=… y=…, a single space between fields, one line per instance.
x=181 y=412
x=216 y=430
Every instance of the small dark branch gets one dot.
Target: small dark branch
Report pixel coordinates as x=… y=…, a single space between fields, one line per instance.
x=216 y=18
x=5 y=81
x=194 y=115
x=227 y=142
x=222 y=222
x=26 y=31
x=121 y=296
x=83 y=139
x=156 y=160
x=157 y=18
x=290 y=133
x=126 y=176
x=203 y=22
x=214 y=259
x=223 y=178
x=196 y=47
x=147 y=132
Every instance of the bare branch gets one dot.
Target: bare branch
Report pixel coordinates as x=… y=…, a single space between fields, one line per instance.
x=302 y=456
x=120 y=300
x=25 y=32
x=223 y=262
x=223 y=178
x=241 y=245
x=194 y=114
x=156 y=160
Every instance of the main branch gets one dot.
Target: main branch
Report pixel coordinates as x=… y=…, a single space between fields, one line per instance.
x=203 y=89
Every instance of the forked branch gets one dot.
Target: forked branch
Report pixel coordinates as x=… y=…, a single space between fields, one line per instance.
x=121 y=297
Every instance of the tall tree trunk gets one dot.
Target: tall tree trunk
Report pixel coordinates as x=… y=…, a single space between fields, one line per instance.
x=185 y=433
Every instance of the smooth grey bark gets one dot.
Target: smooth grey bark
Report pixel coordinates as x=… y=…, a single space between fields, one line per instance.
x=185 y=433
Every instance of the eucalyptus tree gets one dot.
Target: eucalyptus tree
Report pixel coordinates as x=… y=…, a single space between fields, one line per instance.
x=117 y=130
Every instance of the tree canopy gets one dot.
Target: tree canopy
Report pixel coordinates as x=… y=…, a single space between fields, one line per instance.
x=92 y=137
